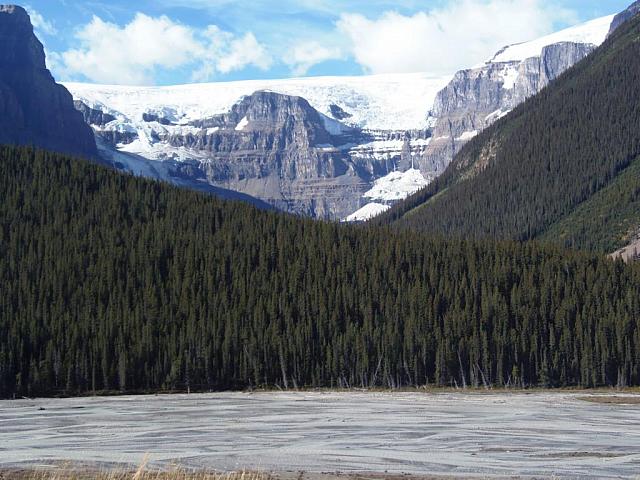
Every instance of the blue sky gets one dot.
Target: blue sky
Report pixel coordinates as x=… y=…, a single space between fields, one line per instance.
x=183 y=41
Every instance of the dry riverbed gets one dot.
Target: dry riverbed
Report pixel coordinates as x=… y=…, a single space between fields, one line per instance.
x=356 y=435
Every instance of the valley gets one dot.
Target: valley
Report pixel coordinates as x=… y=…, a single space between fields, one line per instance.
x=390 y=304
x=389 y=276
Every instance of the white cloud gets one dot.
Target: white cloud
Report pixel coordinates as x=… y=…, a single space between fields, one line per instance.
x=133 y=54
x=442 y=41
x=242 y=52
x=307 y=54
x=227 y=53
x=459 y=34
x=39 y=23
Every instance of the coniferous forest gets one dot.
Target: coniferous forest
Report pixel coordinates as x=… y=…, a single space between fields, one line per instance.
x=116 y=283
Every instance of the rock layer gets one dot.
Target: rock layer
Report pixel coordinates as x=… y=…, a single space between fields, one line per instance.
x=476 y=98
x=271 y=146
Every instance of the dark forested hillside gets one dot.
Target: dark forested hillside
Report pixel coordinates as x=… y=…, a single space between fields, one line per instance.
x=111 y=282
x=549 y=157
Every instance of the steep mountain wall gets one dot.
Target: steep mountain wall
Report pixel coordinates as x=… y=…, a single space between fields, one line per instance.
x=624 y=16
x=477 y=97
x=34 y=110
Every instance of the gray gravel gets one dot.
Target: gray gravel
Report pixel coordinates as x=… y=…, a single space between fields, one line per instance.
x=538 y=434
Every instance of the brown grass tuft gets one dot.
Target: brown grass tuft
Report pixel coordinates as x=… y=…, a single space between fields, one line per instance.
x=143 y=472
x=612 y=399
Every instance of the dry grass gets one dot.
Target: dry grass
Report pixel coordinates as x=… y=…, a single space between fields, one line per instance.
x=55 y=474
x=612 y=399
x=68 y=472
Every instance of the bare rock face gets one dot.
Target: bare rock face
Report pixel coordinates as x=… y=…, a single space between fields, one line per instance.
x=34 y=110
x=271 y=146
x=277 y=148
x=622 y=17
x=476 y=98
x=93 y=116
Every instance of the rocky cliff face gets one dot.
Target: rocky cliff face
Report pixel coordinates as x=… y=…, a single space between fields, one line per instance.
x=277 y=148
x=34 y=110
x=274 y=147
x=628 y=14
x=270 y=146
x=477 y=97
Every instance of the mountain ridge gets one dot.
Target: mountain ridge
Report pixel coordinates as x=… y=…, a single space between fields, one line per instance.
x=170 y=133
x=555 y=152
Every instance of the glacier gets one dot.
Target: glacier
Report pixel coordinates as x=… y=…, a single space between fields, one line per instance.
x=375 y=102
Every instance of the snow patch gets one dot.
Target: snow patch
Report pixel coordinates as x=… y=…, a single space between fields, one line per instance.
x=421 y=142
x=380 y=145
x=334 y=127
x=509 y=76
x=497 y=115
x=242 y=124
x=378 y=149
x=397 y=186
x=367 y=212
x=466 y=136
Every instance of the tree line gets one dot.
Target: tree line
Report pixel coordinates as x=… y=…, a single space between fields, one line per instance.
x=115 y=283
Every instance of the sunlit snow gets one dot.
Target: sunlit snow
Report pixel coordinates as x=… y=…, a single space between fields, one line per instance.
x=509 y=77
x=367 y=212
x=242 y=124
x=466 y=136
x=384 y=102
x=397 y=185
x=593 y=32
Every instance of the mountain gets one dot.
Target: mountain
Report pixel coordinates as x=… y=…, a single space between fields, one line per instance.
x=564 y=166
x=34 y=110
x=622 y=17
x=371 y=126
x=112 y=282
x=381 y=132
x=477 y=97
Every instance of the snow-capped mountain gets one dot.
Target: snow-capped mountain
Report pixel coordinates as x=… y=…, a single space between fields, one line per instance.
x=593 y=32
x=369 y=127
x=377 y=102
x=321 y=146
x=477 y=97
